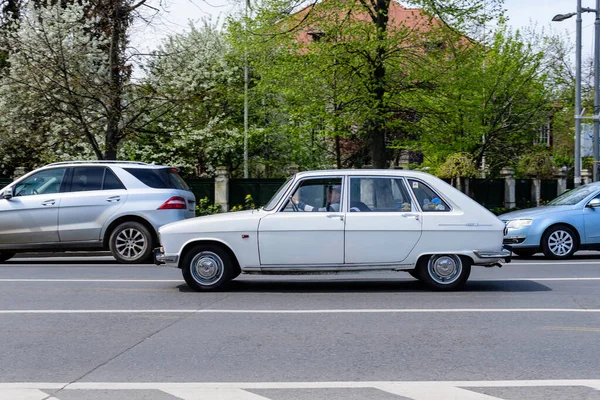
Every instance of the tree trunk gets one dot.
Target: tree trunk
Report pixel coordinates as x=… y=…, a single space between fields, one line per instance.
x=113 y=131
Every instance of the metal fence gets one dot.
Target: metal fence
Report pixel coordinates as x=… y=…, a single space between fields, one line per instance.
x=261 y=190
x=203 y=188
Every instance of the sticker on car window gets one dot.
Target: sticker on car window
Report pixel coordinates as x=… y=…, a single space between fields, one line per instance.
x=415 y=185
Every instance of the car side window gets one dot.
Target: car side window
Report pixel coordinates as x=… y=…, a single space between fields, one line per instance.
x=320 y=195
x=44 y=182
x=111 y=182
x=427 y=198
x=86 y=179
x=379 y=194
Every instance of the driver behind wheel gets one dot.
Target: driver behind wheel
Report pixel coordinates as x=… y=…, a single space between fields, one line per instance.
x=333 y=201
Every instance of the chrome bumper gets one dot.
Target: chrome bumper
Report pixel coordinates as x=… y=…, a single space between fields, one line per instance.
x=161 y=258
x=505 y=253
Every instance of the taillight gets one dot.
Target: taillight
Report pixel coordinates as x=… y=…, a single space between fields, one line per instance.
x=174 y=203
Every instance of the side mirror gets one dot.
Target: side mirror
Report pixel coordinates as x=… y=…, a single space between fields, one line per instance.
x=8 y=193
x=594 y=203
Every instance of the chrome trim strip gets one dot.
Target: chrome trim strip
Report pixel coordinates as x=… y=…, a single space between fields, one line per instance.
x=493 y=254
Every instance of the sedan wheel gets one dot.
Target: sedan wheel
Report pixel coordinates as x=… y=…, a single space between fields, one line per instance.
x=559 y=242
x=131 y=242
x=444 y=271
x=207 y=268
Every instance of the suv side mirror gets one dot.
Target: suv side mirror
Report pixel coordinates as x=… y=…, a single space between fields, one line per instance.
x=8 y=193
x=594 y=203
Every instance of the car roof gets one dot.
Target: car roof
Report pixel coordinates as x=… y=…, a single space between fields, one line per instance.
x=363 y=172
x=105 y=163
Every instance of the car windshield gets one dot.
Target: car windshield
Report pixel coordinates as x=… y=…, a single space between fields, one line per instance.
x=573 y=196
x=277 y=196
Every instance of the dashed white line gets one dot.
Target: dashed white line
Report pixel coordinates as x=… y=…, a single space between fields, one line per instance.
x=313 y=311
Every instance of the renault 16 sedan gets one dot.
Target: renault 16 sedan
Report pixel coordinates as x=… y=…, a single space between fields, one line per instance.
x=342 y=221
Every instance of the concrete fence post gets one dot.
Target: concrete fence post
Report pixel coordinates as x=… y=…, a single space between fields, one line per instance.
x=510 y=194
x=536 y=191
x=586 y=176
x=19 y=172
x=561 y=179
x=222 y=188
x=292 y=169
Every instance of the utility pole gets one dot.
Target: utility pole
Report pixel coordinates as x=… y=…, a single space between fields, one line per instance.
x=596 y=92
x=246 y=78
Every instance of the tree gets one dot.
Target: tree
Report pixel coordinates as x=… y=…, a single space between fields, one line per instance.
x=361 y=72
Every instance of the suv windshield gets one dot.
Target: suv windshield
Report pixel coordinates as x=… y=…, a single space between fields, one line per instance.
x=163 y=178
x=573 y=196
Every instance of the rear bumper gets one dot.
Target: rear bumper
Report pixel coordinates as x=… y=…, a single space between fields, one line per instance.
x=504 y=254
x=160 y=258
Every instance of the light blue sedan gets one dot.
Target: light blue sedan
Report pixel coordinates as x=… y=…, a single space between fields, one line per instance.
x=568 y=223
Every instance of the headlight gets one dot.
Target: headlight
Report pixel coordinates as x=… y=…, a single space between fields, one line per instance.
x=518 y=223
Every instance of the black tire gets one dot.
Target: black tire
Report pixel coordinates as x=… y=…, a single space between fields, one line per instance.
x=525 y=253
x=207 y=268
x=131 y=242
x=559 y=242
x=414 y=273
x=6 y=255
x=444 y=271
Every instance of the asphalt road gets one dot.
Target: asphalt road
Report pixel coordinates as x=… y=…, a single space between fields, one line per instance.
x=74 y=328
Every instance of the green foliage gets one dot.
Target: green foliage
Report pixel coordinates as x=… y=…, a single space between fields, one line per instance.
x=458 y=165
x=204 y=207
x=536 y=163
x=248 y=204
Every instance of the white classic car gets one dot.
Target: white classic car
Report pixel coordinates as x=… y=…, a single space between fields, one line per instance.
x=342 y=221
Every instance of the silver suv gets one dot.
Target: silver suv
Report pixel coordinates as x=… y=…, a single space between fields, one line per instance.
x=88 y=205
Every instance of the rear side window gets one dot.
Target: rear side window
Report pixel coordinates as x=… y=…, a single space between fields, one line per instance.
x=111 y=182
x=86 y=179
x=427 y=198
x=165 y=178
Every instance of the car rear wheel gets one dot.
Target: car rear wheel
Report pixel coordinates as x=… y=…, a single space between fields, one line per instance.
x=444 y=271
x=559 y=242
x=207 y=268
x=5 y=256
x=524 y=253
x=131 y=242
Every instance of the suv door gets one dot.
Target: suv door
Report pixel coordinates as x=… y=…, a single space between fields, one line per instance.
x=93 y=195
x=31 y=215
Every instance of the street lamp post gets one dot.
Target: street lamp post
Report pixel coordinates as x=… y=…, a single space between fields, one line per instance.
x=578 y=116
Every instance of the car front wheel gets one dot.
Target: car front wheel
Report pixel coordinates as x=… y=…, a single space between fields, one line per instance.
x=207 y=268
x=559 y=242
x=444 y=271
x=131 y=242
x=5 y=256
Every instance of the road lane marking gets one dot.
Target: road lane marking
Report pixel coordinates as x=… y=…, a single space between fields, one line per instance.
x=95 y=280
x=24 y=394
x=571 y=328
x=213 y=394
x=314 y=311
x=421 y=392
x=433 y=385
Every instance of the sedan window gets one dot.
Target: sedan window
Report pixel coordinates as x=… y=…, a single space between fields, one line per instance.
x=379 y=194
x=428 y=199
x=320 y=195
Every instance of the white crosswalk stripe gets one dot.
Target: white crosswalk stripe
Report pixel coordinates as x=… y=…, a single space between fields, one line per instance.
x=455 y=390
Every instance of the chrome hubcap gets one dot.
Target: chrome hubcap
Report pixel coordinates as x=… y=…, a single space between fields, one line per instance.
x=206 y=268
x=131 y=243
x=560 y=243
x=444 y=269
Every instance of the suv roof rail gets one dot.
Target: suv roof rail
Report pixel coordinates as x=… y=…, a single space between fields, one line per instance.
x=97 y=162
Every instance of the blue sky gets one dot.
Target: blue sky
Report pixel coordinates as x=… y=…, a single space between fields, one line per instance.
x=521 y=13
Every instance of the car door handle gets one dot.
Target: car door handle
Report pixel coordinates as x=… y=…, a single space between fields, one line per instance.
x=49 y=203
x=113 y=199
x=415 y=216
x=341 y=217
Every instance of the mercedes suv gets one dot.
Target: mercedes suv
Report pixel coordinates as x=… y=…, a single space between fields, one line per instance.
x=92 y=205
